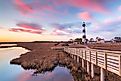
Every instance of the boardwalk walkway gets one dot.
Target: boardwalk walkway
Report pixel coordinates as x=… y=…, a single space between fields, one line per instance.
x=106 y=60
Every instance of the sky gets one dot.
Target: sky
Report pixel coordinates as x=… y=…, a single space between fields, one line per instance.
x=47 y=20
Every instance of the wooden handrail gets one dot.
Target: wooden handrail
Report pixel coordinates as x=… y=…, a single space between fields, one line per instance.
x=109 y=60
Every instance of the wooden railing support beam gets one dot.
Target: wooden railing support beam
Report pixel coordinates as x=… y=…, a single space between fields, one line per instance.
x=102 y=75
x=92 y=70
x=88 y=68
x=78 y=59
x=82 y=63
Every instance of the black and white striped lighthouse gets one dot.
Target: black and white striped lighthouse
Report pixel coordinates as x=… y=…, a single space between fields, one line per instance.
x=84 y=33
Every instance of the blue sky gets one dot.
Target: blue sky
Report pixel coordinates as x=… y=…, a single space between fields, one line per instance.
x=58 y=19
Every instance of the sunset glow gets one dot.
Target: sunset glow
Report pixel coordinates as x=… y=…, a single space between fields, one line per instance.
x=44 y=20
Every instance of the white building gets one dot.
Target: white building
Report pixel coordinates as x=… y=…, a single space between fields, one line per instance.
x=99 y=40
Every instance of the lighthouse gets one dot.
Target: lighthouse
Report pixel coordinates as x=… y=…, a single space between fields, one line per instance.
x=84 y=33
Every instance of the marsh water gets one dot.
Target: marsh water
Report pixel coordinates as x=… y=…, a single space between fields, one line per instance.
x=12 y=72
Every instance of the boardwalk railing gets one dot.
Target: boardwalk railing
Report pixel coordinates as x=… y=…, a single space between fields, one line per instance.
x=108 y=60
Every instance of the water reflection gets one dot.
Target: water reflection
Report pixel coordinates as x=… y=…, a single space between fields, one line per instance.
x=8 y=45
x=58 y=74
x=9 y=72
x=16 y=73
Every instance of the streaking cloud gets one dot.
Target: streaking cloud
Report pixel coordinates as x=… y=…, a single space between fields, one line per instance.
x=67 y=28
x=25 y=30
x=111 y=25
x=59 y=32
x=23 y=7
x=59 y=6
x=92 y=5
x=28 y=27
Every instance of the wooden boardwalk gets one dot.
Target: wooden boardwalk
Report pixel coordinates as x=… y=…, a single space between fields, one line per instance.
x=106 y=60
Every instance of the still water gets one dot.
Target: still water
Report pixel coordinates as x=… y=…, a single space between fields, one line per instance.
x=16 y=73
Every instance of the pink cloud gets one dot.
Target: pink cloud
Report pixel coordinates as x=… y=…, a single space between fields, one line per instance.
x=95 y=6
x=26 y=30
x=85 y=16
x=89 y=4
x=19 y=30
x=23 y=7
x=59 y=32
x=36 y=32
x=28 y=27
x=36 y=6
x=60 y=29
x=32 y=26
x=52 y=6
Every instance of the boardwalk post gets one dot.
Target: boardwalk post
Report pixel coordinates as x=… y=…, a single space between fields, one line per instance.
x=92 y=66
x=88 y=67
x=82 y=59
x=105 y=61
x=102 y=74
x=96 y=59
x=102 y=77
x=120 y=65
x=77 y=55
x=82 y=63
x=77 y=59
x=92 y=70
